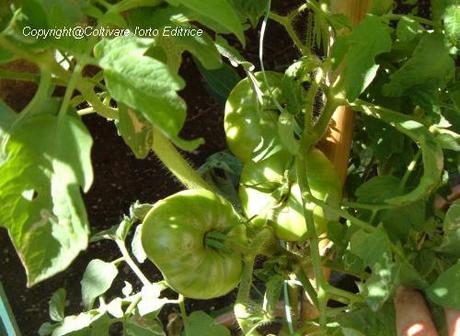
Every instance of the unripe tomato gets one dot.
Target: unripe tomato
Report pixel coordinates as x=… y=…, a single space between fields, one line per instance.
x=247 y=124
x=269 y=191
x=177 y=234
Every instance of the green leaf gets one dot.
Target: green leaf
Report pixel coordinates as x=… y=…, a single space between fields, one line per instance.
x=286 y=126
x=202 y=47
x=380 y=7
x=251 y=10
x=43 y=14
x=219 y=11
x=220 y=81
x=97 y=279
x=7 y=118
x=451 y=227
x=48 y=161
x=201 y=324
x=445 y=291
x=432 y=154
x=91 y=323
x=382 y=283
x=138 y=211
x=371 y=247
x=150 y=300
x=399 y=221
x=135 y=131
x=367 y=40
x=407 y=29
x=272 y=295
x=144 y=84
x=378 y=189
x=364 y=321
x=420 y=70
x=136 y=245
x=452 y=24
x=57 y=305
x=143 y=326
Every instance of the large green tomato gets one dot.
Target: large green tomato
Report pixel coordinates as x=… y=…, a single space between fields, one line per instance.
x=177 y=234
x=249 y=125
x=270 y=193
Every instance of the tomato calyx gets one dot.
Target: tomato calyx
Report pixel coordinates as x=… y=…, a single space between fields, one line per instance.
x=217 y=241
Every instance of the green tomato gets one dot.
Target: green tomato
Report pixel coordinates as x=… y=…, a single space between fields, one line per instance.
x=179 y=237
x=270 y=193
x=249 y=125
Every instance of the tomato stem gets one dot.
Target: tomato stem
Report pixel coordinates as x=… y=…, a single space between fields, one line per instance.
x=183 y=313
x=242 y=304
x=176 y=164
x=302 y=174
x=124 y=252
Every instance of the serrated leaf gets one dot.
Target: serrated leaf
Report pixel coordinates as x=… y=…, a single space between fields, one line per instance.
x=445 y=291
x=451 y=227
x=150 y=300
x=220 y=81
x=382 y=282
x=138 y=211
x=380 y=7
x=399 y=221
x=250 y=10
x=286 y=126
x=127 y=289
x=144 y=84
x=452 y=23
x=143 y=326
x=57 y=305
x=201 y=324
x=215 y=11
x=367 y=40
x=48 y=161
x=272 y=294
x=114 y=308
x=7 y=117
x=136 y=245
x=135 y=131
x=365 y=322
x=371 y=247
x=123 y=228
x=97 y=279
x=378 y=189
x=420 y=70
x=407 y=30
x=91 y=323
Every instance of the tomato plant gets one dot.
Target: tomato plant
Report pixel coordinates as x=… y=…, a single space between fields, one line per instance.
x=342 y=165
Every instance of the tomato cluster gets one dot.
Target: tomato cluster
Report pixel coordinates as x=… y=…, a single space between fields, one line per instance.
x=269 y=190
x=196 y=238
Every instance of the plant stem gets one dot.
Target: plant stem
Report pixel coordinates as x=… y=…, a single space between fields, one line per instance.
x=302 y=277
x=285 y=21
x=183 y=313
x=321 y=283
x=242 y=304
x=124 y=252
x=69 y=90
x=174 y=161
x=413 y=17
x=26 y=76
x=342 y=213
x=410 y=169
